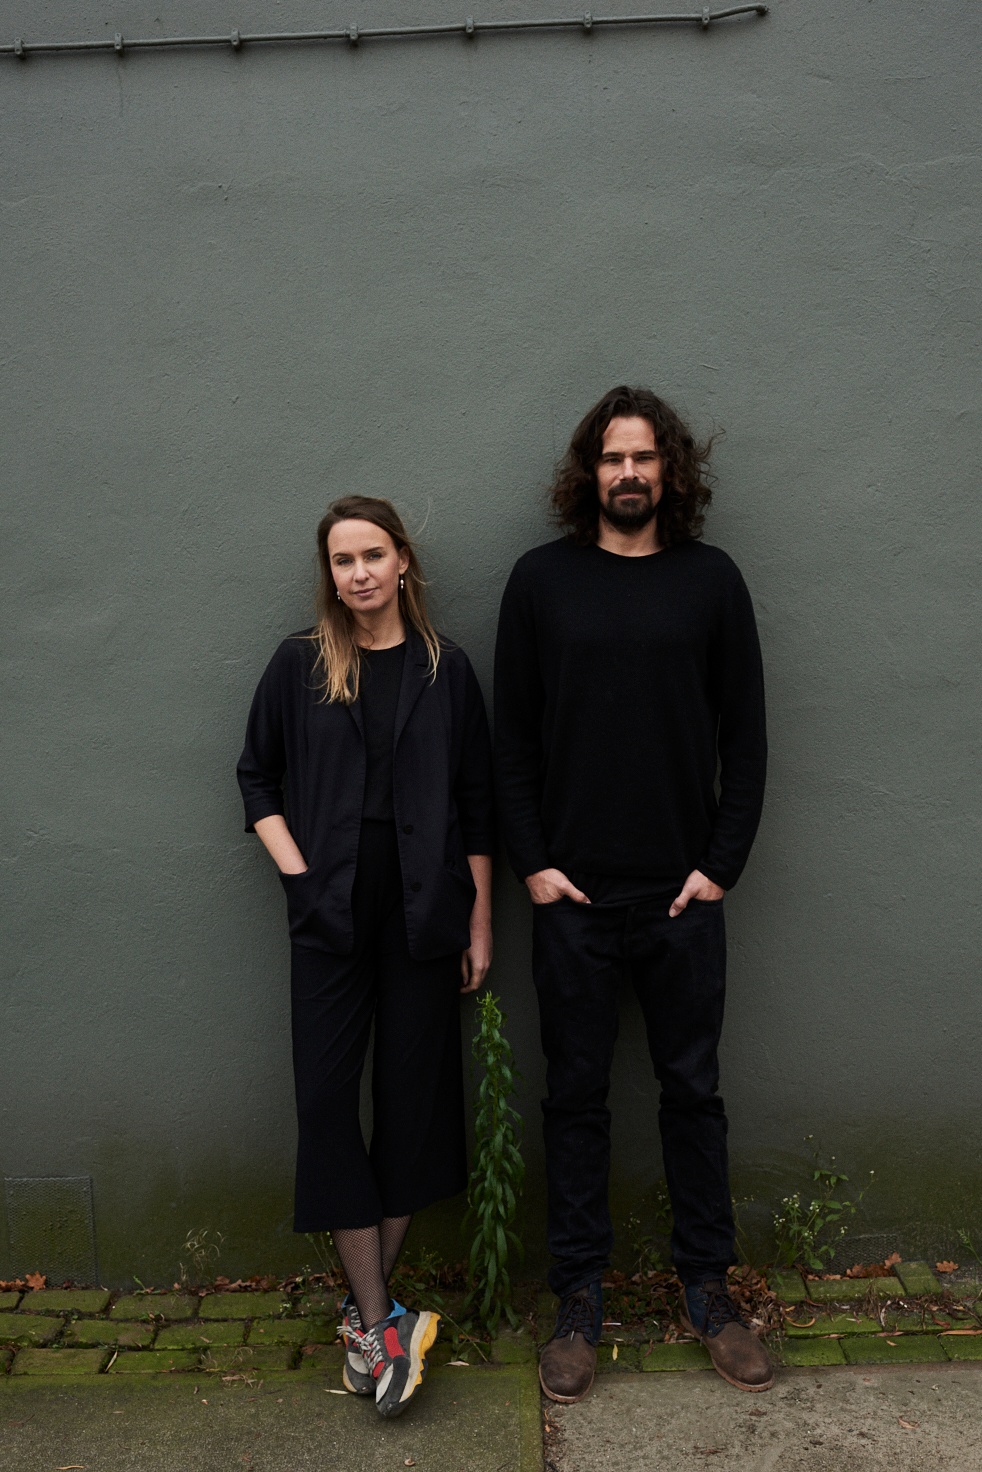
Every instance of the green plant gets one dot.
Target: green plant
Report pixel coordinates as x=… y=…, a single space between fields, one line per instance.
x=968 y=1243
x=807 y=1233
x=645 y=1255
x=497 y=1175
x=743 y=1244
x=322 y=1246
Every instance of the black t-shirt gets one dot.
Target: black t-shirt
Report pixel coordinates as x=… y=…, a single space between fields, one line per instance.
x=620 y=684
x=381 y=677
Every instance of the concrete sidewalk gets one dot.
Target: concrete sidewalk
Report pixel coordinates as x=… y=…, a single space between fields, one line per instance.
x=904 y=1418
x=481 y=1420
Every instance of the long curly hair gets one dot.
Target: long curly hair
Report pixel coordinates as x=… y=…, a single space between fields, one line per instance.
x=686 y=482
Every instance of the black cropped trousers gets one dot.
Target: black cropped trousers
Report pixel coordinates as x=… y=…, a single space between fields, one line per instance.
x=418 y=1150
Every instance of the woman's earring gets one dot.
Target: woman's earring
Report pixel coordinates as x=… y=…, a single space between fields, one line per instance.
x=402 y=584
x=338 y=592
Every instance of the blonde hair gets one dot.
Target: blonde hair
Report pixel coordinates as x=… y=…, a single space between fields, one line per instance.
x=338 y=660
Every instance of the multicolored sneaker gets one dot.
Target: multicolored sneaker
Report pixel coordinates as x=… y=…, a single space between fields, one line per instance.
x=356 y=1376
x=395 y=1352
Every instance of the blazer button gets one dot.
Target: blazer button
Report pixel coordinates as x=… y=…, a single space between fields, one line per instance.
x=416 y=887
x=407 y=827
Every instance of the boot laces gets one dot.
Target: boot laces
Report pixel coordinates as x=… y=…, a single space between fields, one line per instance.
x=576 y=1315
x=720 y=1308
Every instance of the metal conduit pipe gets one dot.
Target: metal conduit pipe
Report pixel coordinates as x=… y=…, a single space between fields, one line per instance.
x=470 y=27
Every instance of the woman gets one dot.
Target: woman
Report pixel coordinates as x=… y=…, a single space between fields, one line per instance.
x=381 y=832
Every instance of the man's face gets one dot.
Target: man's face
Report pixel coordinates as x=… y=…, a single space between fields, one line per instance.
x=629 y=474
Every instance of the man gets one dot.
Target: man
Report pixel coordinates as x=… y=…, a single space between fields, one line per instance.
x=627 y=670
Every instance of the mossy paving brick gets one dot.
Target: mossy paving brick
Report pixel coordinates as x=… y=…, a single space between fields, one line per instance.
x=514 y=1349
x=154 y=1305
x=797 y=1327
x=809 y=1352
x=327 y=1304
x=28 y=1329
x=154 y=1361
x=917 y=1277
x=327 y=1358
x=9 y=1301
x=675 y=1357
x=244 y=1305
x=246 y=1359
x=961 y=1346
x=853 y=1290
x=292 y=1331
x=903 y=1349
x=788 y=1286
x=199 y=1335
x=627 y=1358
x=65 y=1301
x=85 y=1333
x=60 y=1361
x=6 y=1355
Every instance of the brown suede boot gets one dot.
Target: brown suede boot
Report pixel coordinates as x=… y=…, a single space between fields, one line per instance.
x=568 y=1362
x=737 y=1354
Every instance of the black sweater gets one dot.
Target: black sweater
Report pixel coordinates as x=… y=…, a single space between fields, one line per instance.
x=620 y=682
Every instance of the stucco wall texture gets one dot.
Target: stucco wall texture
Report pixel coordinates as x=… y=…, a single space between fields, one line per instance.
x=236 y=285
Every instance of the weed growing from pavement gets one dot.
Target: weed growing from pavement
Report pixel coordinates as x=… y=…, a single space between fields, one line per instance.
x=203 y=1248
x=497 y=1176
x=807 y=1233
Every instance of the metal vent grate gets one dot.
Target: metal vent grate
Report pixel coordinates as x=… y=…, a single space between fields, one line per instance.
x=51 y=1227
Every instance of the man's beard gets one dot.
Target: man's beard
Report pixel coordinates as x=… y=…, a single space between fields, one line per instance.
x=630 y=517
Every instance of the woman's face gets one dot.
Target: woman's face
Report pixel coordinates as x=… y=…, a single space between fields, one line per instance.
x=366 y=565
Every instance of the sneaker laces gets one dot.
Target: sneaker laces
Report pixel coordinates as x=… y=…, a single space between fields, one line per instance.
x=353 y=1326
x=369 y=1345
x=720 y=1308
x=576 y=1315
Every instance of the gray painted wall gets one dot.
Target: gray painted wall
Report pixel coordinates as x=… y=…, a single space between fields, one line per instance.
x=237 y=285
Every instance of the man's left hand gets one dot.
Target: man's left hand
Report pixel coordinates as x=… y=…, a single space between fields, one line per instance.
x=696 y=887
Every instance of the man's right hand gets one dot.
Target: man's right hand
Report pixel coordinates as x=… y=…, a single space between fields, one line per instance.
x=549 y=885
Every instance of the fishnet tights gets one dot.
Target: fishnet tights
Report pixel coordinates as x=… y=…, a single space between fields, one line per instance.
x=368 y=1255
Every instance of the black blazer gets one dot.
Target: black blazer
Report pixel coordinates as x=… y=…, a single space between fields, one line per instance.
x=442 y=793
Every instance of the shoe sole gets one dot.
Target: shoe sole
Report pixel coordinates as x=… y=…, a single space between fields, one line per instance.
x=564 y=1400
x=368 y=1389
x=424 y=1336
x=737 y=1384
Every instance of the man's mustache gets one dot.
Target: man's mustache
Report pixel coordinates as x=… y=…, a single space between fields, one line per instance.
x=630 y=487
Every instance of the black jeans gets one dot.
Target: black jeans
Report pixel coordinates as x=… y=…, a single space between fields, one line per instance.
x=581 y=956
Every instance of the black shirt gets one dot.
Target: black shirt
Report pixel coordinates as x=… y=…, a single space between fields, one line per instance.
x=378 y=691
x=620 y=684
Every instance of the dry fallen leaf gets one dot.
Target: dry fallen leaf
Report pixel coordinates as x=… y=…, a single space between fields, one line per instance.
x=36 y=1280
x=892 y=1260
x=409 y=1462
x=908 y=1425
x=459 y=1364
x=946 y=1267
x=614 y=1353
